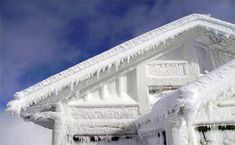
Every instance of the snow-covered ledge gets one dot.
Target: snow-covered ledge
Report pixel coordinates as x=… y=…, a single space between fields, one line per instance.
x=182 y=114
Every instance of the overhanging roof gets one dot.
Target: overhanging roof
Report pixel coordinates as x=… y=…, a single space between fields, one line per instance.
x=116 y=55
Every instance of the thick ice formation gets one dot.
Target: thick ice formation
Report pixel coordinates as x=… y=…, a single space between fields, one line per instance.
x=99 y=100
x=194 y=95
x=114 y=57
x=177 y=112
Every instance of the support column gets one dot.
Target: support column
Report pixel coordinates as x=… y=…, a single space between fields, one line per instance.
x=142 y=88
x=104 y=92
x=59 y=133
x=120 y=87
x=60 y=129
x=180 y=134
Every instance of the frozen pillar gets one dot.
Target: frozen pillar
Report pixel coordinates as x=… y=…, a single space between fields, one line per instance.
x=59 y=135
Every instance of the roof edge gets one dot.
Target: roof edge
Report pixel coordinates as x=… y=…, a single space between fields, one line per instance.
x=84 y=68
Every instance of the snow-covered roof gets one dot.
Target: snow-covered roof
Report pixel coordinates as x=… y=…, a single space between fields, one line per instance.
x=116 y=55
x=192 y=96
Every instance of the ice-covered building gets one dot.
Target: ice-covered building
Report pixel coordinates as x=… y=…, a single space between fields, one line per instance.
x=201 y=112
x=99 y=100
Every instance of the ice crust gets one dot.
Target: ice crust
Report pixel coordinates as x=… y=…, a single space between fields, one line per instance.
x=192 y=96
x=84 y=120
x=114 y=57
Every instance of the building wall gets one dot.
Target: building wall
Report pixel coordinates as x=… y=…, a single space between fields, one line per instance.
x=137 y=84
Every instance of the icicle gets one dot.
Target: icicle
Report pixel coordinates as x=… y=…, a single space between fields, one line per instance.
x=71 y=86
x=18 y=95
x=98 y=73
x=56 y=92
x=77 y=82
x=142 y=51
x=116 y=65
x=109 y=67
x=128 y=59
x=104 y=68
x=227 y=35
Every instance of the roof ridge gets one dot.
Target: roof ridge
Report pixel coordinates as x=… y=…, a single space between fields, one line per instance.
x=89 y=61
x=84 y=70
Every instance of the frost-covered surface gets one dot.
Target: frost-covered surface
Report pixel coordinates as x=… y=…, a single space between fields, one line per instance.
x=86 y=123
x=105 y=113
x=187 y=100
x=107 y=141
x=217 y=137
x=207 y=102
x=83 y=109
x=101 y=127
x=115 y=56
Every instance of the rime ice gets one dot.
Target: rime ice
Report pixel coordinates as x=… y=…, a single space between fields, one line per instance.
x=174 y=85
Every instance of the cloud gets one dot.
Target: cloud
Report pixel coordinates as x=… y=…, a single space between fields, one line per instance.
x=29 y=40
x=40 y=39
x=15 y=131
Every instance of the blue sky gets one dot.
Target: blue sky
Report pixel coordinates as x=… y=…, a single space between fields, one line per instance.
x=41 y=38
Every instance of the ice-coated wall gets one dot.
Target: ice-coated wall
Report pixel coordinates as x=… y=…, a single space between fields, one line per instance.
x=108 y=103
x=198 y=113
x=98 y=100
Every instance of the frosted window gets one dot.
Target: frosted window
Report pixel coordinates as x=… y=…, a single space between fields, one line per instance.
x=160 y=89
x=220 y=135
x=85 y=139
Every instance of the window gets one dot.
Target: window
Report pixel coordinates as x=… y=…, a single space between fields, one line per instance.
x=160 y=89
x=216 y=134
x=91 y=138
